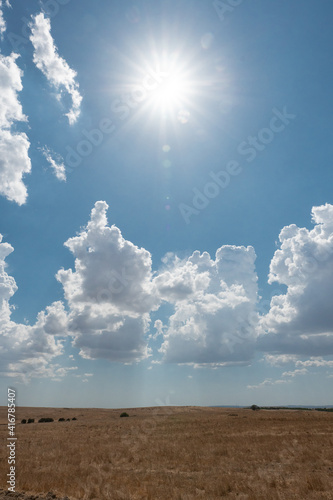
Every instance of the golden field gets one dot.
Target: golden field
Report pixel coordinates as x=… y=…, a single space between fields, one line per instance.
x=173 y=453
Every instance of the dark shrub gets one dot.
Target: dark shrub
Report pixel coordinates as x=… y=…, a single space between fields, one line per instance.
x=61 y=419
x=67 y=419
x=23 y=421
x=31 y=420
x=255 y=407
x=46 y=419
x=74 y=418
x=124 y=414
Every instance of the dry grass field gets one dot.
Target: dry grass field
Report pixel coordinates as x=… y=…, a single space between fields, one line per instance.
x=173 y=453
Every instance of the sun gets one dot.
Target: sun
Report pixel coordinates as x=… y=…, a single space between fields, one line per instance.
x=171 y=85
x=171 y=91
x=161 y=86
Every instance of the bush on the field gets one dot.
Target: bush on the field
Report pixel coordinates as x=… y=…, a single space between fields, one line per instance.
x=124 y=414
x=23 y=421
x=31 y=420
x=45 y=419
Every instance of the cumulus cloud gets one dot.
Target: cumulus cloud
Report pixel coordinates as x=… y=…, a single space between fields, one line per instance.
x=56 y=161
x=214 y=302
x=27 y=351
x=301 y=320
x=109 y=270
x=14 y=158
x=54 y=67
x=110 y=294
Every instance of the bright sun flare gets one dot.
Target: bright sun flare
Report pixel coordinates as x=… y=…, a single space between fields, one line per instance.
x=171 y=93
x=173 y=85
x=167 y=87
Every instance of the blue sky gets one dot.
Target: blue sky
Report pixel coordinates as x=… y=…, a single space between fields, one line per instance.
x=182 y=151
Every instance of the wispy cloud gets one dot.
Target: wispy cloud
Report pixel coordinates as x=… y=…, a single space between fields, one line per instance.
x=268 y=382
x=56 y=161
x=54 y=67
x=294 y=373
x=317 y=362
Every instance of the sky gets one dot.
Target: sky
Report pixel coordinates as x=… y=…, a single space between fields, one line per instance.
x=166 y=208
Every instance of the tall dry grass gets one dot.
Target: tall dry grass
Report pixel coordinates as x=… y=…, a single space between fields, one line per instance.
x=174 y=453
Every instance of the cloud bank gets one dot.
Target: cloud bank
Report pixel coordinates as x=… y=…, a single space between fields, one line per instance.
x=214 y=319
x=112 y=292
x=55 y=68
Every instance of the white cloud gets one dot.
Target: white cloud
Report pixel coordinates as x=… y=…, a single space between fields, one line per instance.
x=14 y=158
x=280 y=359
x=317 y=362
x=14 y=163
x=54 y=67
x=159 y=327
x=56 y=161
x=10 y=85
x=27 y=351
x=214 y=300
x=268 y=382
x=2 y=20
x=294 y=373
x=110 y=293
x=110 y=272
x=301 y=320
